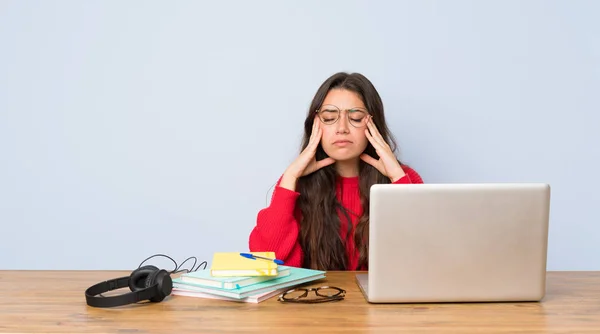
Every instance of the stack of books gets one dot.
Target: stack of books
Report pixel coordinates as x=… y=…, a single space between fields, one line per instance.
x=243 y=277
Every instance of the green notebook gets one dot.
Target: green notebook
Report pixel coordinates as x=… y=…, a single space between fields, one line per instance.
x=297 y=276
x=204 y=278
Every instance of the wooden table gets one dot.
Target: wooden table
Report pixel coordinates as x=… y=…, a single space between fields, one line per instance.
x=53 y=301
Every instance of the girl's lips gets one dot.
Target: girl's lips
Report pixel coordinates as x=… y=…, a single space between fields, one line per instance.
x=342 y=142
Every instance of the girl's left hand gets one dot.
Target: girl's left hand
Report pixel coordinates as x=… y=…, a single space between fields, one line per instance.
x=388 y=163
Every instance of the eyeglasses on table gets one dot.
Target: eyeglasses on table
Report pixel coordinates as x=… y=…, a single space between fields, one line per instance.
x=321 y=294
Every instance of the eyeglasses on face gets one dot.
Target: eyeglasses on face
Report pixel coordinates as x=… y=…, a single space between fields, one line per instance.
x=322 y=294
x=329 y=114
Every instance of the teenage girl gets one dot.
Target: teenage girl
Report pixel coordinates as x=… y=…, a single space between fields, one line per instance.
x=318 y=216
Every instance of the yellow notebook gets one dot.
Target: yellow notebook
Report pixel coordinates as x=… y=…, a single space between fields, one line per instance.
x=233 y=264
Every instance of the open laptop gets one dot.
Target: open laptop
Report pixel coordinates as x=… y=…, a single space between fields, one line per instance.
x=457 y=243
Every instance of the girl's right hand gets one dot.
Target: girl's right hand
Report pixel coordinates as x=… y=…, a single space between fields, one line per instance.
x=306 y=163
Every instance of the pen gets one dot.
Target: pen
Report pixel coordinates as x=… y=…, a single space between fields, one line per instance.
x=254 y=257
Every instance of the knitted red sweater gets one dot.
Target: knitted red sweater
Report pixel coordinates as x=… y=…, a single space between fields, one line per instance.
x=277 y=226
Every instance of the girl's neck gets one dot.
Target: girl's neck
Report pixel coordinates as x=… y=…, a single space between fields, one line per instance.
x=347 y=168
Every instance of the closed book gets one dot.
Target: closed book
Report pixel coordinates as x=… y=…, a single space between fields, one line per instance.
x=204 y=278
x=254 y=299
x=297 y=276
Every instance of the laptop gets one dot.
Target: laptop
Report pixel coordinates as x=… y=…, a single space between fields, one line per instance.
x=435 y=243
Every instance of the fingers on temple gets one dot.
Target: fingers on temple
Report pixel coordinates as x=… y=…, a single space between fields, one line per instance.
x=375 y=133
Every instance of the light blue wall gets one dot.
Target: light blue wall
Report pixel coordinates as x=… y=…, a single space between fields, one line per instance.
x=130 y=128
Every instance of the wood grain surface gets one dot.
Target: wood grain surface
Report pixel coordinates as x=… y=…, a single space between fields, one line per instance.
x=54 y=302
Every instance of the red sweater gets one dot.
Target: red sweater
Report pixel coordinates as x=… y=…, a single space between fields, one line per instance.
x=277 y=226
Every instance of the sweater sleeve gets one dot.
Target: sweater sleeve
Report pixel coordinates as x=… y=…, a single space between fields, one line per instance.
x=411 y=176
x=277 y=229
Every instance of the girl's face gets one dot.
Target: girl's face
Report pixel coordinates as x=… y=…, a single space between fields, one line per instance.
x=343 y=118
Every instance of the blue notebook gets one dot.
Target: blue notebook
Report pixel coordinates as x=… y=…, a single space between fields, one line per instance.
x=297 y=276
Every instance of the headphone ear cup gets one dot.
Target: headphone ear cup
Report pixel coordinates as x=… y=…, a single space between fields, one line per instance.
x=138 y=278
x=165 y=284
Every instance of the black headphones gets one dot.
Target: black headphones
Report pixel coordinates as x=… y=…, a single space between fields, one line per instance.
x=145 y=283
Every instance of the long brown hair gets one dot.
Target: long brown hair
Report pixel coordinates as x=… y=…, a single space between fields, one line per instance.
x=320 y=224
